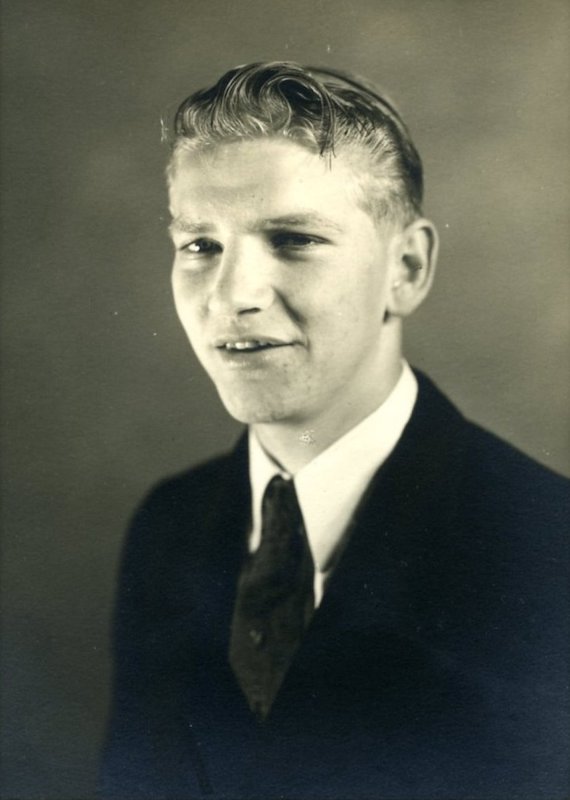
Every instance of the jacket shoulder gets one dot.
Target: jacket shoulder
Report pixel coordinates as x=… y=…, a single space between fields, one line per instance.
x=484 y=482
x=477 y=447
x=191 y=509
x=195 y=484
x=504 y=462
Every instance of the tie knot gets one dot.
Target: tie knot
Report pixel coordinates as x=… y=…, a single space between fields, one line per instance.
x=281 y=514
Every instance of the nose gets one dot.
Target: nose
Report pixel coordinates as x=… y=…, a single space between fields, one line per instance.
x=243 y=282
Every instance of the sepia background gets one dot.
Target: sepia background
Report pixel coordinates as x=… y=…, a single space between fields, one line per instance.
x=101 y=393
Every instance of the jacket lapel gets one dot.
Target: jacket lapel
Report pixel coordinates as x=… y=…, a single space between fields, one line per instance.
x=377 y=583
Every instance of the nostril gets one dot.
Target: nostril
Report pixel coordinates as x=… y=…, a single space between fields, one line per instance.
x=253 y=310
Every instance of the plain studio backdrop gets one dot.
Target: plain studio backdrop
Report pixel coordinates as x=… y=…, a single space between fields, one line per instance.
x=102 y=395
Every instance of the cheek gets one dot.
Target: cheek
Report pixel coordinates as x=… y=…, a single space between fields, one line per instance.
x=354 y=298
x=189 y=314
x=331 y=309
x=188 y=296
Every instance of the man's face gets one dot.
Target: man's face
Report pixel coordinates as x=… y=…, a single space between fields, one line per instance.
x=280 y=280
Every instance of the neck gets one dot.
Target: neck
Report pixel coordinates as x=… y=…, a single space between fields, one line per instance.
x=294 y=444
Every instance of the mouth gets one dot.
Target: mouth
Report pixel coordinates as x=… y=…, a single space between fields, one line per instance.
x=249 y=345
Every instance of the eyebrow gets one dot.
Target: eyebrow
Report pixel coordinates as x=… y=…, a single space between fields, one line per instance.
x=182 y=225
x=308 y=219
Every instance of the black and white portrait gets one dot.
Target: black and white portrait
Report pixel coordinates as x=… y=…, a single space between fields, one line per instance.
x=285 y=375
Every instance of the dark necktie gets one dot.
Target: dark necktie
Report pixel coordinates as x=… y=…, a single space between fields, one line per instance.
x=274 y=600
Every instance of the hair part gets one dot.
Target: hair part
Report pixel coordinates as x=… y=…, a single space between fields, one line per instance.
x=326 y=111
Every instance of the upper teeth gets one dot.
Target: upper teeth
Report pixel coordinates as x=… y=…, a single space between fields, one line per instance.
x=246 y=345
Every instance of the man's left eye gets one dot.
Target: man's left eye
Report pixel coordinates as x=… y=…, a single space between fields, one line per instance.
x=294 y=241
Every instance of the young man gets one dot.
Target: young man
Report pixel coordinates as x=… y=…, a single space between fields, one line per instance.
x=368 y=597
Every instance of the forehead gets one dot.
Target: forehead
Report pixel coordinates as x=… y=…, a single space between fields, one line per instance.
x=263 y=174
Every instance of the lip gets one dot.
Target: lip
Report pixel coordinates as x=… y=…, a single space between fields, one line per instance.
x=273 y=354
x=245 y=342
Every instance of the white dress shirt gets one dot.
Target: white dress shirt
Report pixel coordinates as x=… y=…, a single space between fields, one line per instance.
x=330 y=486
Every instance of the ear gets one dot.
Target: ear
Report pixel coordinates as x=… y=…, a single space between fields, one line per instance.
x=413 y=267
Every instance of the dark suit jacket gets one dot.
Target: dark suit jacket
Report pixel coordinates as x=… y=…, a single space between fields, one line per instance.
x=435 y=667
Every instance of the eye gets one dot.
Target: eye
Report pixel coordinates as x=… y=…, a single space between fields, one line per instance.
x=288 y=240
x=201 y=247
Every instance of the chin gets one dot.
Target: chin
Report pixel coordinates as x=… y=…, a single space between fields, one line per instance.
x=253 y=411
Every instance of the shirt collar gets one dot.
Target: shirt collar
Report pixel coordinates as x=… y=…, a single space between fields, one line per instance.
x=330 y=486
